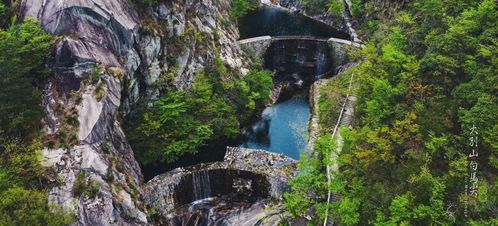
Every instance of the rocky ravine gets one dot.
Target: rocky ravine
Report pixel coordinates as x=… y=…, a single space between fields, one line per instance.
x=131 y=49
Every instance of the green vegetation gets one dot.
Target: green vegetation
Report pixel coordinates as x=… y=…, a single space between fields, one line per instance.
x=334 y=7
x=5 y=15
x=20 y=205
x=95 y=75
x=106 y=145
x=428 y=74
x=183 y=121
x=85 y=186
x=309 y=188
x=24 y=50
x=242 y=7
x=332 y=96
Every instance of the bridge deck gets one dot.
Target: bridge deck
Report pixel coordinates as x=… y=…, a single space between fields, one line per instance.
x=299 y=37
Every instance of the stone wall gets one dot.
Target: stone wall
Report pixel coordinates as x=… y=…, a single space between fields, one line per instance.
x=339 y=49
x=269 y=173
x=258 y=46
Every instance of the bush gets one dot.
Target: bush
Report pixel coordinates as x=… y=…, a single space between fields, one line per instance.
x=422 y=86
x=95 y=75
x=25 y=49
x=254 y=90
x=106 y=146
x=20 y=206
x=23 y=202
x=336 y=8
x=85 y=186
x=183 y=121
x=241 y=7
x=315 y=6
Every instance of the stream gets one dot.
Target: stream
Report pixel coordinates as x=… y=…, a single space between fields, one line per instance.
x=283 y=127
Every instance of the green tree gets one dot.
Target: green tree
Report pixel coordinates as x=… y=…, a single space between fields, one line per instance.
x=428 y=75
x=181 y=122
x=242 y=7
x=25 y=49
x=21 y=203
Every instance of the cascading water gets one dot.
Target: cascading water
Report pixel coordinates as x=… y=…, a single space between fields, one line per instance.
x=321 y=62
x=283 y=127
x=299 y=62
x=201 y=184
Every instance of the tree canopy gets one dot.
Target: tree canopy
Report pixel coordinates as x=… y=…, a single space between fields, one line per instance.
x=428 y=75
x=25 y=49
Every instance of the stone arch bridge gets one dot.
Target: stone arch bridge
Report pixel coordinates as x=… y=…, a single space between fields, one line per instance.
x=258 y=46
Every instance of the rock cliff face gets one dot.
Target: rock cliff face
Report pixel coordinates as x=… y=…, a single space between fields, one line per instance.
x=110 y=54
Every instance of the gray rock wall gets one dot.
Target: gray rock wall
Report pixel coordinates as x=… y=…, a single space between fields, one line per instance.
x=131 y=49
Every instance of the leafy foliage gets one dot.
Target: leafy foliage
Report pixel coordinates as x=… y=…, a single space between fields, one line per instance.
x=336 y=8
x=183 y=121
x=24 y=49
x=428 y=74
x=333 y=7
x=95 y=75
x=85 y=186
x=315 y=6
x=22 y=206
x=23 y=201
x=242 y=7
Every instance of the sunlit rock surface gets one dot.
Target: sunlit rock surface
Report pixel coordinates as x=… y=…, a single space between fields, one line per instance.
x=112 y=35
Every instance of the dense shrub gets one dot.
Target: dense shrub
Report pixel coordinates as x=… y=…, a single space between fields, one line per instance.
x=24 y=49
x=424 y=82
x=24 y=206
x=183 y=121
x=242 y=7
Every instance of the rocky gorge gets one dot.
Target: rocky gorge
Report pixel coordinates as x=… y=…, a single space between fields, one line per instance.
x=130 y=53
x=248 y=112
x=109 y=55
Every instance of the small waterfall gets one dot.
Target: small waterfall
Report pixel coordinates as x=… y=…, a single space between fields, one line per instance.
x=201 y=184
x=321 y=62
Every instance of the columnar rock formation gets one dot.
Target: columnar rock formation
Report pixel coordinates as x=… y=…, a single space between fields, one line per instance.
x=111 y=53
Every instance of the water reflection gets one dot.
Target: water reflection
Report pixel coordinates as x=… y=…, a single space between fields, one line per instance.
x=283 y=127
